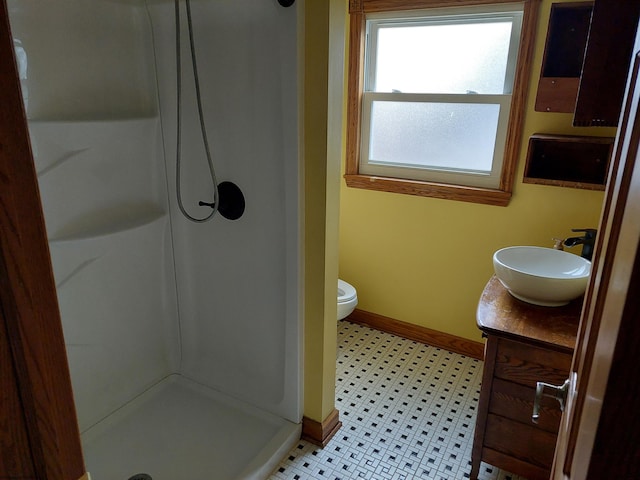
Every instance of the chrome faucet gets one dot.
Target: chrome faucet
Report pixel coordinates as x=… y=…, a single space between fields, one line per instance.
x=587 y=241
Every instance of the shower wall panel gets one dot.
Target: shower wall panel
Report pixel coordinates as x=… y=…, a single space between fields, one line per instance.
x=85 y=60
x=238 y=281
x=96 y=138
x=100 y=87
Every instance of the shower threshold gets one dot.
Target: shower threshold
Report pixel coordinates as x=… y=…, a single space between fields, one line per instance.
x=180 y=430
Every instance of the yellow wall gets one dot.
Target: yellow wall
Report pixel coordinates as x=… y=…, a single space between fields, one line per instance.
x=425 y=261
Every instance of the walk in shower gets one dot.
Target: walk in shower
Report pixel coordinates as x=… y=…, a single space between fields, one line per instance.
x=183 y=339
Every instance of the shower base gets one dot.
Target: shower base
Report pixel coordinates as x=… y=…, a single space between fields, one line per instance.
x=180 y=430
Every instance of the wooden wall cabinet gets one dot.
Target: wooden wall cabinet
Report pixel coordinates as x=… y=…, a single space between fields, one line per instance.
x=525 y=344
x=568 y=161
x=587 y=56
x=606 y=62
x=563 y=57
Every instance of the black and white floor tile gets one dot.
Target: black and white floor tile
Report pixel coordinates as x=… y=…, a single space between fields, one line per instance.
x=408 y=411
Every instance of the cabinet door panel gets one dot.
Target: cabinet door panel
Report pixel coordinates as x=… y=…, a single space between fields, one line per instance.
x=515 y=402
x=528 y=365
x=514 y=465
x=520 y=441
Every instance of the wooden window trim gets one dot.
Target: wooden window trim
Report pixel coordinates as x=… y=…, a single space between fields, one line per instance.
x=500 y=196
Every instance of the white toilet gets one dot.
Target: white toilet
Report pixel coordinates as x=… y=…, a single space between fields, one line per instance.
x=347 y=299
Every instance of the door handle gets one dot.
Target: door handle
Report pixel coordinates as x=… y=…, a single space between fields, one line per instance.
x=558 y=392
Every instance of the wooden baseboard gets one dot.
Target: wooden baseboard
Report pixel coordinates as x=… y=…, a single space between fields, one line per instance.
x=320 y=433
x=418 y=333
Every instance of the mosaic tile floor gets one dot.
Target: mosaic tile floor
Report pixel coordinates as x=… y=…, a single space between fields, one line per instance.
x=408 y=411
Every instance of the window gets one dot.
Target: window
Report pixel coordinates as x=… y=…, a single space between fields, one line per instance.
x=436 y=97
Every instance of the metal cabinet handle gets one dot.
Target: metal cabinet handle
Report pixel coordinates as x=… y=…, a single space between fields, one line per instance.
x=558 y=392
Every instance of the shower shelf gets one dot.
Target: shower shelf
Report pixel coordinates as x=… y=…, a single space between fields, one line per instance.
x=94 y=119
x=111 y=226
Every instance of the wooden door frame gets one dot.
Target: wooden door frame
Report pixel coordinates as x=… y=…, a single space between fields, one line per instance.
x=28 y=304
x=600 y=430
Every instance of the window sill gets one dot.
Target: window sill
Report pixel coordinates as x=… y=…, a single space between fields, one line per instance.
x=460 y=193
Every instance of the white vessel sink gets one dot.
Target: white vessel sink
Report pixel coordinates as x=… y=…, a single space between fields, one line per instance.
x=542 y=276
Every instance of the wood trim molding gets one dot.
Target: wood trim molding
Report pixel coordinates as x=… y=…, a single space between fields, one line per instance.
x=355 y=6
x=394 y=5
x=460 y=193
x=521 y=85
x=419 y=334
x=320 y=433
x=354 y=91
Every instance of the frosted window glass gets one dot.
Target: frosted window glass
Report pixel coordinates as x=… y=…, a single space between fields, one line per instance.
x=449 y=136
x=443 y=58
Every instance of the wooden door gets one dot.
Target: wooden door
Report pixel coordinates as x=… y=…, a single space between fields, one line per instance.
x=39 y=436
x=600 y=431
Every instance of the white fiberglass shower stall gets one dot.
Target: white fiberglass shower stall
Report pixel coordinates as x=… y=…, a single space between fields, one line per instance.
x=183 y=339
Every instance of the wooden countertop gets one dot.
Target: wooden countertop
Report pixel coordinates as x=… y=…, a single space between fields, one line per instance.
x=499 y=313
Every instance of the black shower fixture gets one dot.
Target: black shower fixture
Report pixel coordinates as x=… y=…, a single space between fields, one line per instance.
x=230 y=201
x=286 y=3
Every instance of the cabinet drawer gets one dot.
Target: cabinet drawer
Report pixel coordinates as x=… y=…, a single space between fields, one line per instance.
x=517 y=440
x=527 y=365
x=515 y=401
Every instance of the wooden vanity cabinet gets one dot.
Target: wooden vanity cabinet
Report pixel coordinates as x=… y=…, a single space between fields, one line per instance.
x=526 y=344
